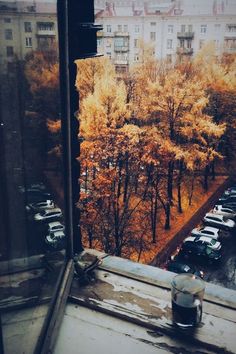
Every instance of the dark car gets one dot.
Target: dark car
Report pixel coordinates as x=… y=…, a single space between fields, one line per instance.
x=199 y=252
x=179 y=267
x=227 y=199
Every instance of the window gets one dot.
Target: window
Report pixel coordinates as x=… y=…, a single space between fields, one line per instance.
x=10 y=51
x=27 y=26
x=217 y=26
x=189 y=44
x=119 y=28
x=7 y=20
x=99 y=42
x=108 y=28
x=125 y=28
x=108 y=42
x=153 y=36
x=45 y=26
x=28 y=42
x=152 y=24
x=136 y=57
x=170 y=28
x=181 y=43
x=182 y=28
x=201 y=43
x=8 y=34
x=190 y=28
x=109 y=54
x=136 y=28
x=203 y=28
x=169 y=58
x=136 y=43
x=169 y=43
x=231 y=28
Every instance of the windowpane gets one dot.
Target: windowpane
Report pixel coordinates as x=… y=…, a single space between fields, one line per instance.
x=32 y=224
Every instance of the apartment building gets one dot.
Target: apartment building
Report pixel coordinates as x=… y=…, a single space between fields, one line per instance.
x=175 y=29
x=25 y=26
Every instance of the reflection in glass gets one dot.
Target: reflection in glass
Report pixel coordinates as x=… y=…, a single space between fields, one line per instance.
x=32 y=244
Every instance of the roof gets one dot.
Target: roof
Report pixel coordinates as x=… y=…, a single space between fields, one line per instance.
x=120 y=8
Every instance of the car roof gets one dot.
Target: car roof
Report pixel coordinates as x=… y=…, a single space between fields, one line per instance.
x=54 y=223
x=205 y=238
x=58 y=233
x=214 y=215
x=210 y=228
x=190 y=238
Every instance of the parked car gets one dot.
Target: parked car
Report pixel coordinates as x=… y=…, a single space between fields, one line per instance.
x=34 y=195
x=209 y=231
x=204 y=240
x=180 y=267
x=47 y=204
x=231 y=205
x=219 y=220
x=48 y=214
x=227 y=199
x=55 y=239
x=55 y=226
x=230 y=191
x=199 y=252
x=222 y=210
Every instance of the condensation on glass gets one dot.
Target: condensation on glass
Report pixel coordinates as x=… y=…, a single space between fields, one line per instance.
x=32 y=227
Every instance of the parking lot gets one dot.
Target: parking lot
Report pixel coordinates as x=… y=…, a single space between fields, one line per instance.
x=221 y=272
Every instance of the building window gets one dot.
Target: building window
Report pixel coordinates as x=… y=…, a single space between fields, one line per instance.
x=28 y=27
x=203 y=28
x=7 y=20
x=125 y=28
x=153 y=36
x=109 y=28
x=231 y=28
x=217 y=43
x=152 y=24
x=169 y=58
x=136 y=41
x=109 y=54
x=190 y=28
x=217 y=26
x=28 y=42
x=136 y=57
x=201 y=43
x=108 y=42
x=119 y=28
x=189 y=43
x=182 y=28
x=169 y=43
x=10 y=51
x=99 y=42
x=170 y=29
x=136 y=28
x=181 y=43
x=45 y=26
x=8 y=34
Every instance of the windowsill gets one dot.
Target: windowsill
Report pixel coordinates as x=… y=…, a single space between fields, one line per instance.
x=130 y=303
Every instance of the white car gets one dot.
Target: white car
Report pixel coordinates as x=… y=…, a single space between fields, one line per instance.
x=55 y=226
x=46 y=204
x=204 y=240
x=222 y=210
x=219 y=220
x=55 y=239
x=207 y=231
x=48 y=214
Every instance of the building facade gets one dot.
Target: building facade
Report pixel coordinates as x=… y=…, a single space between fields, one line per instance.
x=174 y=29
x=25 y=26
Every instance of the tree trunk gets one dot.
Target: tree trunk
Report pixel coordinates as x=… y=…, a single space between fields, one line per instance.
x=213 y=172
x=206 y=174
x=126 y=183
x=191 y=190
x=167 y=212
x=179 y=186
x=170 y=181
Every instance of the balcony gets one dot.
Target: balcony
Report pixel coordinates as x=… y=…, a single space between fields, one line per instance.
x=121 y=34
x=121 y=61
x=121 y=48
x=46 y=32
x=185 y=35
x=184 y=51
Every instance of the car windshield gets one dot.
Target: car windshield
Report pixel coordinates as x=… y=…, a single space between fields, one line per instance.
x=213 y=242
x=208 y=250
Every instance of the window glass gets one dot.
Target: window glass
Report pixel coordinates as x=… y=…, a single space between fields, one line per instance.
x=31 y=172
